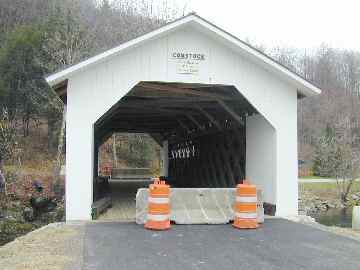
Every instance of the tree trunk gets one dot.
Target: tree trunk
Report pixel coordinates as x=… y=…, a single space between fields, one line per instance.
x=2 y=178
x=346 y=192
x=2 y=189
x=57 y=167
x=53 y=120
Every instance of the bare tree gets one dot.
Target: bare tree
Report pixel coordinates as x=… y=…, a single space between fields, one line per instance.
x=338 y=151
x=59 y=155
x=7 y=144
x=337 y=73
x=67 y=39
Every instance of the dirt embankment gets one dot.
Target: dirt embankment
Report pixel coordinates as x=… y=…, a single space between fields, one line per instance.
x=53 y=247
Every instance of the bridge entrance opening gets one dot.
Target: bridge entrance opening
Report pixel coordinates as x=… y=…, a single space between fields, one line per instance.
x=197 y=131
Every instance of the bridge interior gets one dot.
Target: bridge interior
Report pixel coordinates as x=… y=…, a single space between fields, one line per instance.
x=203 y=125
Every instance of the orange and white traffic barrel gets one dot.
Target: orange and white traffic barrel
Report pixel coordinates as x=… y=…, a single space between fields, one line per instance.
x=245 y=206
x=158 y=217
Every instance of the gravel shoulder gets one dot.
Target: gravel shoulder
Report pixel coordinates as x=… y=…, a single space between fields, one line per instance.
x=57 y=246
x=307 y=220
x=346 y=232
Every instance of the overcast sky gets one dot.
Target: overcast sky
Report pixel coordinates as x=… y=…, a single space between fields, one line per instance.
x=292 y=23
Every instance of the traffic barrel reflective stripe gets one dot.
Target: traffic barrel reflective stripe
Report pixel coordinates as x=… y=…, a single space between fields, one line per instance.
x=246 y=199
x=154 y=217
x=159 y=200
x=245 y=206
x=158 y=217
x=246 y=215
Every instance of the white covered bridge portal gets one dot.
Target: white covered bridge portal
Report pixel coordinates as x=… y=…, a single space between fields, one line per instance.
x=200 y=127
x=221 y=110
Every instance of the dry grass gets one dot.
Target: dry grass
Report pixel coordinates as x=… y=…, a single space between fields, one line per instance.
x=326 y=190
x=33 y=151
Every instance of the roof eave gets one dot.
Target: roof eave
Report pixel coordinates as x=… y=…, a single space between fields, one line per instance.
x=303 y=86
x=62 y=75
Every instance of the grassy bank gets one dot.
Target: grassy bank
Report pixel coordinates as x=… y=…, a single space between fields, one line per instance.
x=326 y=189
x=313 y=177
x=317 y=192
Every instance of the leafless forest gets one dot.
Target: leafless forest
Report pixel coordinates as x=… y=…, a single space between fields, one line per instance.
x=337 y=73
x=38 y=37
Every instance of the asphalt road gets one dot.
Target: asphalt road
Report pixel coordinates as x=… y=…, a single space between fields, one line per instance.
x=316 y=180
x=319 y=180
x=279 y=244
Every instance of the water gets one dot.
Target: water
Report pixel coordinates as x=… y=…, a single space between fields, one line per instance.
x=335 y=217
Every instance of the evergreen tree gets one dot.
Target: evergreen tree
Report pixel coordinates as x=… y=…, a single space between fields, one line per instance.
x=22 y=74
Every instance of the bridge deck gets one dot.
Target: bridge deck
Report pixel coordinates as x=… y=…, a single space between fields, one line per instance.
x=123 y=194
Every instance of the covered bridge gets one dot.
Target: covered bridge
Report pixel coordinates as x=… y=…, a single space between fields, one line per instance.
x=220 y=109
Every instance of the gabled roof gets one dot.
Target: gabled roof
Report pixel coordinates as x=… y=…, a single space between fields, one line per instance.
x=303 y=86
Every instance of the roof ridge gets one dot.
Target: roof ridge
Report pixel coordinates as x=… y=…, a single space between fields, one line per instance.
x=62 y=75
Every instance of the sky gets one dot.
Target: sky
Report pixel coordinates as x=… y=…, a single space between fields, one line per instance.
x=286 y=23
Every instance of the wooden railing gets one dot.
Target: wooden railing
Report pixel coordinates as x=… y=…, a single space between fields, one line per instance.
x=131 y=173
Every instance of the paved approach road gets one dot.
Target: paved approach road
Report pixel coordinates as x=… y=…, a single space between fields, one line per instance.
x=319 y=180
x=279 y=244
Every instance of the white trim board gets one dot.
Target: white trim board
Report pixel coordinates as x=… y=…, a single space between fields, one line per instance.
x=303 y=86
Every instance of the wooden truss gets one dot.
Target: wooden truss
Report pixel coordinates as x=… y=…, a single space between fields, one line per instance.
x=176 y=111
x=204 y=125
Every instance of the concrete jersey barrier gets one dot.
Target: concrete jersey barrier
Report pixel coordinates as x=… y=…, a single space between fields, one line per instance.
x=197 y=205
